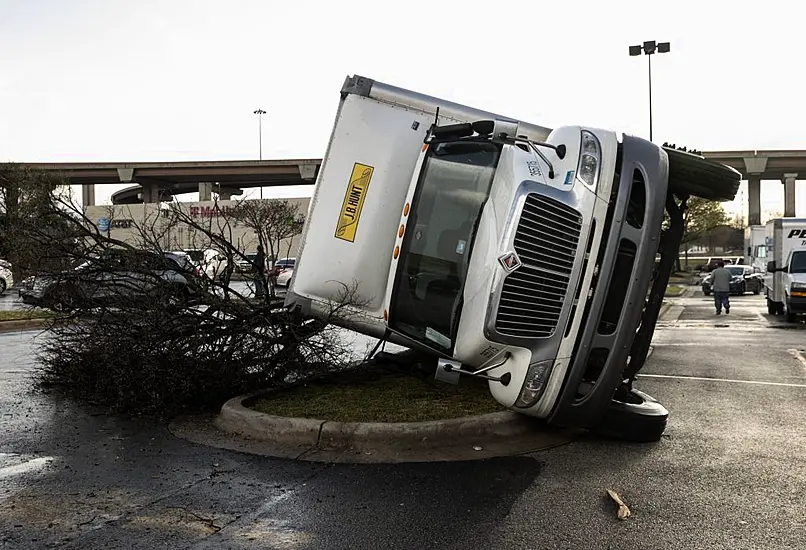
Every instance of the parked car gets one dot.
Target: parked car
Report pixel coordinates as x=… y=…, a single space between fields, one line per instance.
x=118 y=274
x=211 y=262
x=745 y=279
x=283 y=265
x=285 y=277
x=6 y=276
x=246 y=264
x=282 y=271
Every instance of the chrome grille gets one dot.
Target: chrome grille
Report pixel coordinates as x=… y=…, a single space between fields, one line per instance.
x=546 y=242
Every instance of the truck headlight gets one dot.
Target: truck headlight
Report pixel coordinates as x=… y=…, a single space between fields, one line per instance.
x=590 y=158
x=534 y=384
x=798 y=286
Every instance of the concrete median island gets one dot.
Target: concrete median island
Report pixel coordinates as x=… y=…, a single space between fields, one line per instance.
x=19 y=320
x=383 y=418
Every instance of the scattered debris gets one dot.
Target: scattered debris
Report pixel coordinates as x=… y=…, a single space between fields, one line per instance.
x=623 y=511
x=477 y=448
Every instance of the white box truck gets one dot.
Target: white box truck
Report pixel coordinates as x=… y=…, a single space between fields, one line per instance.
x=785 y=280
x=503 y=249
x=755 y=247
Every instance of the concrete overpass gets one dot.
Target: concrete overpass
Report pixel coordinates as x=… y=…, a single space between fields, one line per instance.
x=158 y=181
x=781 y=165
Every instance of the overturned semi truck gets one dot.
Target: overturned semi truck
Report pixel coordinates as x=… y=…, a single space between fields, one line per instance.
x=509 y=251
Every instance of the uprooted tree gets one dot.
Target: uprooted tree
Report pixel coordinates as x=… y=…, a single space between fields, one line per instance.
x=143 y=330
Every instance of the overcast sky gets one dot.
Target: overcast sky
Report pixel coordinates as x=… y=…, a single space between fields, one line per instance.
x=151 y=80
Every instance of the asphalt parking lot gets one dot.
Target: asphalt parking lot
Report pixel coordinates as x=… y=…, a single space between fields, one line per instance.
x=729 y=472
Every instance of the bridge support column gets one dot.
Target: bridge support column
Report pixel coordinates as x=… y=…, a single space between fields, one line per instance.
x=755 y=167
x=789 y=194
x=754 y=196
x=150 y=193
x=205 y=190
x=88 y=195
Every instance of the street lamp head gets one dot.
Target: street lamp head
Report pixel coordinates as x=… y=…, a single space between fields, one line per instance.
x=650 y=47
x=259 y=112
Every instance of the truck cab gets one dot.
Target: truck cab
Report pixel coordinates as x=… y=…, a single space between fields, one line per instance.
x=505 y=250
x=791 y=283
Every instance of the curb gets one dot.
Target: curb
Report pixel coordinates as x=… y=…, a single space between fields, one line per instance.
x=23 y=325
x=503 y=433
x=664 y=309
x=237 y=418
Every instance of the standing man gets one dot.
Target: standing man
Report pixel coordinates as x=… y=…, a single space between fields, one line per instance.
x=260 y=271
x=720 y=282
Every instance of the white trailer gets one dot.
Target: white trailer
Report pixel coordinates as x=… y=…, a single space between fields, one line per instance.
x=785 y=280
x=509 y=251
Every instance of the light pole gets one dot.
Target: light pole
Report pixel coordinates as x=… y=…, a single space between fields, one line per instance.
x=260 y=113
x=650 y=47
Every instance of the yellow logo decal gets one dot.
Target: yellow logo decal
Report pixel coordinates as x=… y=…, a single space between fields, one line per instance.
x=353 y=202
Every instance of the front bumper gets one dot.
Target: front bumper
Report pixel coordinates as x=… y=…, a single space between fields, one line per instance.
x=626 y=260
x=736 y=287
x=796 y=304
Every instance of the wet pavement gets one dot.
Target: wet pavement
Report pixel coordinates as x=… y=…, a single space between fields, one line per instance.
x=729 y=472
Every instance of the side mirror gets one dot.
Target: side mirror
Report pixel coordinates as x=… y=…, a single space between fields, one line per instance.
x=770 y=267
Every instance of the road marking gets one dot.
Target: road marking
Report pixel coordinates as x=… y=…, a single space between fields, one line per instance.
x=27 y=466
x=722 y=380
x=799 y=356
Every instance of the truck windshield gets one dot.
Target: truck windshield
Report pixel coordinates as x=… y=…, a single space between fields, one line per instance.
x=798 y=263
x=454 y=185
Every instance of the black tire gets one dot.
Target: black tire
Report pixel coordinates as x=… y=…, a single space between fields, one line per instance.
x=62 y=298
x=695 y=175
x=638 y=418
x=790 y=317
x=3 y=286
x=770 y=307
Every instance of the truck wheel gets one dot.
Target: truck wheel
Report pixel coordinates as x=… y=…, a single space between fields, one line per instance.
x=2 y=286
x=633 y=416
x=790 y=317
x=695 y=175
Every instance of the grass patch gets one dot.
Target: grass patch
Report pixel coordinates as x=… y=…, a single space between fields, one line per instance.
x=380 y=396
x=675 y=290
x=25 y=314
